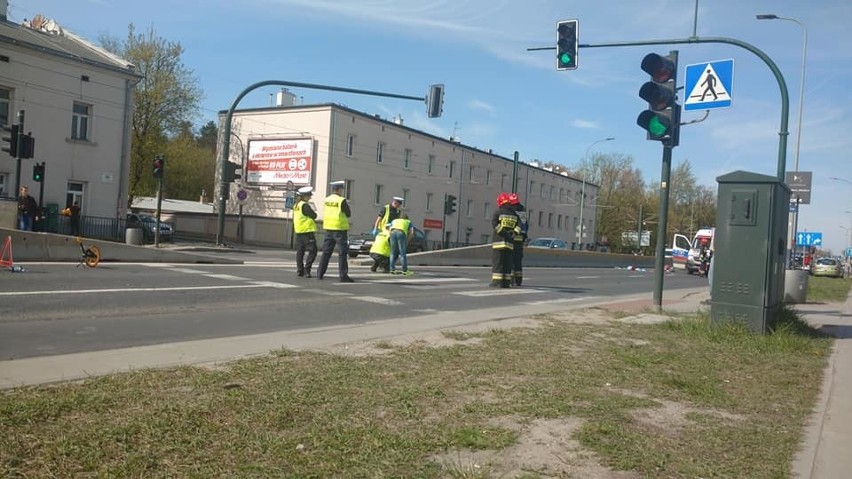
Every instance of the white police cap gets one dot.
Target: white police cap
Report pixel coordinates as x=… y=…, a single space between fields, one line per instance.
x=399 y=198
x=337 y=183
x=305 y=190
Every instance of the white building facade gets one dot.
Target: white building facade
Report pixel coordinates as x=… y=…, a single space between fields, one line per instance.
x=78 y=105
x=379 y=159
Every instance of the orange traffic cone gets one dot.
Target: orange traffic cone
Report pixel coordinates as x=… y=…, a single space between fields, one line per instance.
x=7 y=251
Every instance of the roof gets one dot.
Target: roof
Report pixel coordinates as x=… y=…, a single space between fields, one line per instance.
x=47 y=37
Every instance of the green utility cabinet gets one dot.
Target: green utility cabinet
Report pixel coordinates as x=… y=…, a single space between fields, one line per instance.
x=750 y=249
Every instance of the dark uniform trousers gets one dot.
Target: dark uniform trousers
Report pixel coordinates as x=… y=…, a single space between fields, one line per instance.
x=305 y=242
x=340 y=239
x=501 y=266
x=518 y=261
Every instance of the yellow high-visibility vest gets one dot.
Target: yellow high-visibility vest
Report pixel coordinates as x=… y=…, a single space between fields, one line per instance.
x=333 y=218
x=302 y=223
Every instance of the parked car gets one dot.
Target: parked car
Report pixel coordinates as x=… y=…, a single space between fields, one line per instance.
x=829 y=267
x=148 y=224
x=550 y=243
x=361 y=244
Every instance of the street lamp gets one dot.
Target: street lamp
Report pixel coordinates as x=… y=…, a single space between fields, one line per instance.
x=583 y=190
x=770 y=16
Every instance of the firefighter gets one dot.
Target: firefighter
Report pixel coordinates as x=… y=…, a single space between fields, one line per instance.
x=518 y=240
x=305 y=226
x=506 y=226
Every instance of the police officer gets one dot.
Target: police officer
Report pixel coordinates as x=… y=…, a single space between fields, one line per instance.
x=305 y=226
x=388 y=213
x=335 y=222
x=506 y=226
x=518 y=240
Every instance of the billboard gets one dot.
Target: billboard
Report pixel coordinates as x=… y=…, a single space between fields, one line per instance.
x=274 y=162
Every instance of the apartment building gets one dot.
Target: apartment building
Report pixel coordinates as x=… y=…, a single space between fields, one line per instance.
x=378 y=158
x=78 y=103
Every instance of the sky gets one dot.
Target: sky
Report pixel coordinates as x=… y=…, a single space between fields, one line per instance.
x=502 y=97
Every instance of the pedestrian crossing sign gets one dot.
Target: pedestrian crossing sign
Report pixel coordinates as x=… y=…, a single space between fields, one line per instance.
x=708 y=85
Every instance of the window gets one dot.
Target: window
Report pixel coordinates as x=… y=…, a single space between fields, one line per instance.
x=452 y=168
x=350 y=146
x=488 y=177
x=74 y=192
x=552 y=192
x=561 y=195
x=5 y=106
x=532 y=187
x=550 y=220
x=406 y=159
x=487 y=210
x=380 y=152
x=431 y=164
x=471 y=173
x=503 y=181
x=80 y=121
x=429 y=198
x=540 y=218
x=559 y=222
x=542 y=191
x=379 y=194
x=347 y=193
x=3 y=179
x=469 y=208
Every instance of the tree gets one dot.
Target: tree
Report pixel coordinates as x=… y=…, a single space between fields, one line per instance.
x=167 y=98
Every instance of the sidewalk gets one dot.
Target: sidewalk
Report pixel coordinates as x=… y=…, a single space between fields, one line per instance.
x=826 y=447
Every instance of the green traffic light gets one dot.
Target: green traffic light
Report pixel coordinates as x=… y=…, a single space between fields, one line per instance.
x=656 y=127
x=565 y=58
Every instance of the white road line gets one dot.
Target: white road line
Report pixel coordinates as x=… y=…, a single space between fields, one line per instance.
x=559 y=301
x=497 y=292
x=408 y=280
x=272 y=284
x=188 y=270
x=377 y=300
x=588 y=277
x=228 y=277
x=129 y=290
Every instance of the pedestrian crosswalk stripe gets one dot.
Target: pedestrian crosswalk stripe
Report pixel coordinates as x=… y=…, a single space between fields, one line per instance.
x=377 y=300
x=497 y=292
x=559 y=301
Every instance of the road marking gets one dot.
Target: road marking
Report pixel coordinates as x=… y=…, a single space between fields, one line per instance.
x=188 y=270
x=129 y=290
x=272 y=284
x=377 y=300
x=588 y=277
x=227 y=277
x=497 y=292
x=408 y=280
x=559 y=301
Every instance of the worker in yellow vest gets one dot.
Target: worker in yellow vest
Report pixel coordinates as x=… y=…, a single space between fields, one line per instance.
x=305 y=226
x=380 y=252
x=401 y=232
x=335 y=222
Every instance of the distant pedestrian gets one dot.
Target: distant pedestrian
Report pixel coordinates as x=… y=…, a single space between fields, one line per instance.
x=305 y=226
x=388 y=213
x=380 y=252
x=506 y=226
x=73 y=214
x=335 y=222
x=401 y=232
x=27 y=210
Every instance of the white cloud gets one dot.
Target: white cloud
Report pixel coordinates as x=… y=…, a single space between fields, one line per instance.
x=481 y=105
x=585 y=124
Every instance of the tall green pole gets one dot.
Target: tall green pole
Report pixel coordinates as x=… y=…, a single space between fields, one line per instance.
x=515 y=172
x=665 y=177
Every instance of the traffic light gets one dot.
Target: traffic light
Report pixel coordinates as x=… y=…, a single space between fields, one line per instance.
x=27 y=147
x=231 y=174
x=435 y=101
x=662 y=118
x=10 y=136
x=158 y=166
x=567 y=43
x=450 y=205
x=38 y=172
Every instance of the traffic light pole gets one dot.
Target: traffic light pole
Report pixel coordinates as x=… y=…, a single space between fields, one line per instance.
x=659 y=261
x=226 y=136
x=17 y=155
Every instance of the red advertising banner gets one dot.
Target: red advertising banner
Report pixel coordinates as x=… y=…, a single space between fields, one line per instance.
x=275 y=162
x=432 y=224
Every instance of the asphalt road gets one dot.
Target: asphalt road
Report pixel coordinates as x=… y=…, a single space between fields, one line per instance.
x=58 y=308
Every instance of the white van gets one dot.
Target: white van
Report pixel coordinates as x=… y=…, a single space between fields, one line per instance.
x=686 y=254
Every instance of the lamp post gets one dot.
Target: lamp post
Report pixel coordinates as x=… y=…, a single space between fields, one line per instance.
x=770 y=16
x=583 y=190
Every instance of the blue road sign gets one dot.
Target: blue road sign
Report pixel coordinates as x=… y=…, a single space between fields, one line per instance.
x=849 y=252
x=709 y=85
x=808 y=238
x=289 y=202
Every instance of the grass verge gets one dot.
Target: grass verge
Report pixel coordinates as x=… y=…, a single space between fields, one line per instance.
x=832 y=290
x=677 y=399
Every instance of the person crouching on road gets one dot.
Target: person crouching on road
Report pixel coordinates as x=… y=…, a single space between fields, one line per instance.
x=401 y=232
x=305 y=226
x=380 y=252
x=518 y=240
x=335 y=222
x=506 y=226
